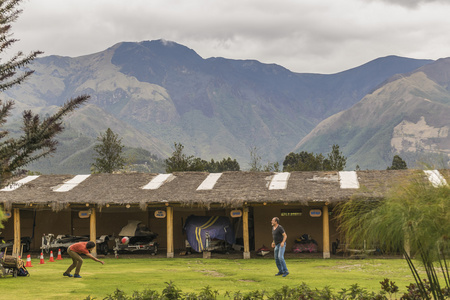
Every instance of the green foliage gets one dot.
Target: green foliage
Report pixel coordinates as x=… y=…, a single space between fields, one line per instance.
x=302 y=291
x=397 y=164
x=171 y=292
x=38 y=137
x=415 y=215
x=109 y=153
x=180 y=162
x=306 y=161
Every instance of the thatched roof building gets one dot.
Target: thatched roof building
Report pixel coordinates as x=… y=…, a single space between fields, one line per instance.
x=228 y=189
x=304 y=201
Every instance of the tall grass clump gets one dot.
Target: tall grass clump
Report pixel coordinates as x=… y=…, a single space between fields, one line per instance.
x=413 y=219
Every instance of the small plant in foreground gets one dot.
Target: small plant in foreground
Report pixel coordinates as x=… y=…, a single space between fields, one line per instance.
x=171 y=292
x=389 y=286
x=300 y=292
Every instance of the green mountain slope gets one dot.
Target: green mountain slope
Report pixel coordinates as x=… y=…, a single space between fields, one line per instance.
x=409 y=115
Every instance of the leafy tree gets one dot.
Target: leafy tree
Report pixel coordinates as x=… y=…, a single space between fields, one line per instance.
x=308 y=161
x=109 y=153
x=226 y=164
x=38 y=138
x=303 y=161
x=397 y=164
x=416 y=216
x=180 y=162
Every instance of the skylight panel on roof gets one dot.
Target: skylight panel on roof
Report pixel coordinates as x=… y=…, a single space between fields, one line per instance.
x=209 y=182
x=18 y=183
x=435 y=178
x=71 y=183
x=157 y=182
x=348 y=180
x=279 y=181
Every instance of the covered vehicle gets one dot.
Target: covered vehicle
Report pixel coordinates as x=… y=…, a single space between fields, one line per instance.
x=209 y=233
x=136 y=236
x=25 y=243
x=62 y=242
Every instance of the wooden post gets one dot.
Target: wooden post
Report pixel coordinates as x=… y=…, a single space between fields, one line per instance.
x=17 y=240
x=326 y=232
x=93 y=230
x=170 y=251
x=245 y=233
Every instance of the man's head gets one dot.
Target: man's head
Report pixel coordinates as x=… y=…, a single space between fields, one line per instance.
x=275 y=221
x=90 y=245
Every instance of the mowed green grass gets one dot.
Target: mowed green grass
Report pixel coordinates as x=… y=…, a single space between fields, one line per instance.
x=192 y=274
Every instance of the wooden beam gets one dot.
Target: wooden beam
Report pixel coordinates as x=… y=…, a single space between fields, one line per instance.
x=245 y=233
x=93 y=229
x=17 y=240
x=326 y=232
x=170 y=251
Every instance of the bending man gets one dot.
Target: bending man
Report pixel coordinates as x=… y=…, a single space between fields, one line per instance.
x=74 y=251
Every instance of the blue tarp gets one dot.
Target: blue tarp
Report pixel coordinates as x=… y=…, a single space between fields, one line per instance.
x=217 y=227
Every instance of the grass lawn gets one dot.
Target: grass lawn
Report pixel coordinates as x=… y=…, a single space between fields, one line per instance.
x=192 y=274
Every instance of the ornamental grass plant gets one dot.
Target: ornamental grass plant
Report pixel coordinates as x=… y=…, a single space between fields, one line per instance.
x=414 y=220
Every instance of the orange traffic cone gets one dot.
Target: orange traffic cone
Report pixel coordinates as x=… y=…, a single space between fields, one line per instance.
x=41 y=261
x=28 y=264
x=51 y=257
x=59 y=255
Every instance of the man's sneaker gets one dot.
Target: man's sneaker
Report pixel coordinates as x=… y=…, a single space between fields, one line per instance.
x=77 y=276
x=285 y=274
x=67 y=274
x=278 y=274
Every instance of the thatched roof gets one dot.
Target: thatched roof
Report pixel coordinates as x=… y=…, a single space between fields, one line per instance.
x=231 y=189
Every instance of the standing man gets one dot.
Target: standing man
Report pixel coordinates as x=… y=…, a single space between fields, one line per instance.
x=279 y=243
x=74 y=251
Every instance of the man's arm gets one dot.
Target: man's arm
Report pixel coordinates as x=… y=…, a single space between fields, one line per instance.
x=95 y=258
x=284 y=239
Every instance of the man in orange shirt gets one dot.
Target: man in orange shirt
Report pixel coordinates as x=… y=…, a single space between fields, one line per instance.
x=74 y=251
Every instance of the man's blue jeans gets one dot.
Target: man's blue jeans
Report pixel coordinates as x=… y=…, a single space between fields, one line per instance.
x=279 y=258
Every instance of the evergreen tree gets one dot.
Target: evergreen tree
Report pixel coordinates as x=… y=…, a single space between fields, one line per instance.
x=178 y=161
x=38 y=138
x=397 y=164
x=109 y=153
x=336 y=160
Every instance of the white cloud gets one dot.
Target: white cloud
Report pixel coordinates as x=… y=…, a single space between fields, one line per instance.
x=322 y=36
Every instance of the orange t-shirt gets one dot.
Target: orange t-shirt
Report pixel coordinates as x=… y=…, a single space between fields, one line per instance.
x=79 y=248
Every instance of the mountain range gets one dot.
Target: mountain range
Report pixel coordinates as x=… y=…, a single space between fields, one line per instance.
x=157 y=93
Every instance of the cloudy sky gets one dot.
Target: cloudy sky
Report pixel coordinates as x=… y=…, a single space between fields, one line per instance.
x=320 y=36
